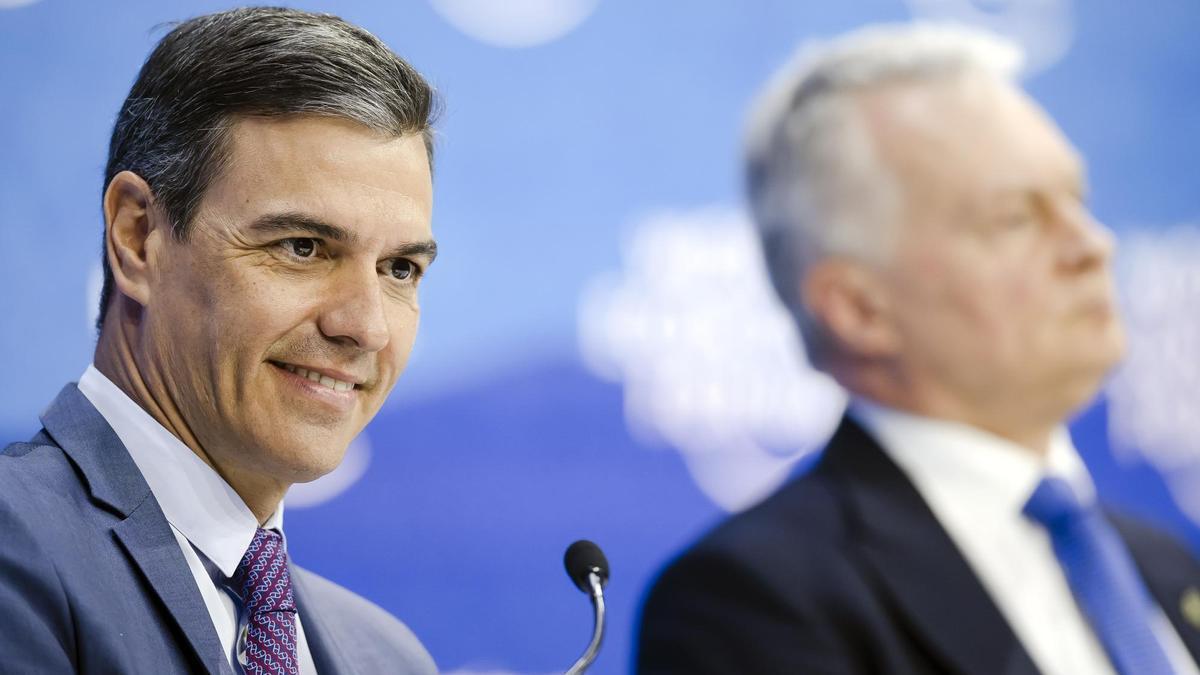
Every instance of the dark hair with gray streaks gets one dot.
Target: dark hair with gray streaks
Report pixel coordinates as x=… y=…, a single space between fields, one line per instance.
x=173 y=129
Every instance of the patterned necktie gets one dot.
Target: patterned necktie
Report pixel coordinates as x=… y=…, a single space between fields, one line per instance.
x=268 y=644
x=1102 y=577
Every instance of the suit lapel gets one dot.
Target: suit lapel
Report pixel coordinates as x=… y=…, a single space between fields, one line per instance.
x=147 y=539
x=1171 y=574
x=917 y=564
x=115 y=482
x=327 y=657
x=1182 y=607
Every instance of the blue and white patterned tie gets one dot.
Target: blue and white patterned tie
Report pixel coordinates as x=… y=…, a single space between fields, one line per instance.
x=265 y=585
x=1102 y=577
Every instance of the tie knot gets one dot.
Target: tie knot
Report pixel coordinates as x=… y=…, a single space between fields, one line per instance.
x=262 y=577
x=1054 y=503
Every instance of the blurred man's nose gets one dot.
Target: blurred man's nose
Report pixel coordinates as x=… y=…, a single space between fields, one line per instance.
x=1084 y=242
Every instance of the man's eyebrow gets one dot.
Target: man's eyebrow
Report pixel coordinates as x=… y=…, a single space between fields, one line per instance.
x=298 y=222
x=417 y=248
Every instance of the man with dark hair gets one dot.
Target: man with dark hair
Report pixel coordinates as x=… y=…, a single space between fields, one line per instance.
x=267 y=206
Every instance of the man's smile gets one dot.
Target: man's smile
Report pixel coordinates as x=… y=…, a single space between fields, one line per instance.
x=332 y=379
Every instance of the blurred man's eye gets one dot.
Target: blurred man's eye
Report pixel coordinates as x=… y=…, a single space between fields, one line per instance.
x=1018 y=219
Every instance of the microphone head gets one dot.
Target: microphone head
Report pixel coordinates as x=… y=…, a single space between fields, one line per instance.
x=583 y=558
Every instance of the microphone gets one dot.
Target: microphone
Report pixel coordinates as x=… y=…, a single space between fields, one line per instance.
x=588 y=568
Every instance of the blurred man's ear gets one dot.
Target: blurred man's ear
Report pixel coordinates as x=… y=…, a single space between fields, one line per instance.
x=852 y=303
x=133 y=231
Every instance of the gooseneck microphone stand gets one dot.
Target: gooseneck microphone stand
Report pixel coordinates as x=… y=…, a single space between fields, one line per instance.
x=588 y=568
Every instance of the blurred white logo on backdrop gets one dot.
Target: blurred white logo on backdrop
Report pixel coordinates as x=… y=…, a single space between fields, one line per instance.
x=1153 y=396
x=1043 y=28
x=13 y=4
x=515 y=23
x=710 y=361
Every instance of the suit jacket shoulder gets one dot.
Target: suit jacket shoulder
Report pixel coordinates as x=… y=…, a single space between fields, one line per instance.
x=846 y=570
x=774 y=589
x=32 y=596
x=360 y=631
x=92 y=579
x=843 y=570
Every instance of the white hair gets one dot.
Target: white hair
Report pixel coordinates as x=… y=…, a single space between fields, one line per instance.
x=816 y=186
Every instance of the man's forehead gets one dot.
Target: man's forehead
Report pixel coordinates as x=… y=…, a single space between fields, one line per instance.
x=307 y=163
x=318 y=139
x=968 y=122
x=936 y=106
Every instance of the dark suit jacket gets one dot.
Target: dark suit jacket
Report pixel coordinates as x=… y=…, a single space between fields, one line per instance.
x=92 y=579
x=846 y=570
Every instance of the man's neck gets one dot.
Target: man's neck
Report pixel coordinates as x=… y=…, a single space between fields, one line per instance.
x=1035 y=438
x=1008 y=421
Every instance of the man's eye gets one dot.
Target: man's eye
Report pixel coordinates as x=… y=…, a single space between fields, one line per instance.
x=1017 y=220
x=302 y=247
x=403 y=269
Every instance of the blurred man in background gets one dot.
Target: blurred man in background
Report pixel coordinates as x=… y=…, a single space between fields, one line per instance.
x=926 y=224
x=267 y=210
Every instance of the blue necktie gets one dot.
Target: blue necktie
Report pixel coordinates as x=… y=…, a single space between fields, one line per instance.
x=1102 y=577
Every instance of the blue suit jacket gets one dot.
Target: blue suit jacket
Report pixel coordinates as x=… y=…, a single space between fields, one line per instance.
x=92 y=579
x=846 y=570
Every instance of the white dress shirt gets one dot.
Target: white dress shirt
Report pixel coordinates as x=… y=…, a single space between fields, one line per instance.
x=210 y=521
x=977 y=485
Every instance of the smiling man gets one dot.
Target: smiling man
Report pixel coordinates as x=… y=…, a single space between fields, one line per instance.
x=267 y=211
x=926 y=224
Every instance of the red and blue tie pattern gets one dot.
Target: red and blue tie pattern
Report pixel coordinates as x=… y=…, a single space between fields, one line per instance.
x=262 y=578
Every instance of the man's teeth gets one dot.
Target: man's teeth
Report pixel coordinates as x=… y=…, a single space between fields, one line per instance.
x=336 y=385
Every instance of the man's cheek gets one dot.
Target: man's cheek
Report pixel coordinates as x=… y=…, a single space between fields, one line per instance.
x=1022 y=297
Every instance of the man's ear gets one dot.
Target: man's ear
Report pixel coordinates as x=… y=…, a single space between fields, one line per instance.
x=133 y=231
x=852 y=303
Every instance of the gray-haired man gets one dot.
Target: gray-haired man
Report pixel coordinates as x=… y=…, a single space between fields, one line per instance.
x=926 y=224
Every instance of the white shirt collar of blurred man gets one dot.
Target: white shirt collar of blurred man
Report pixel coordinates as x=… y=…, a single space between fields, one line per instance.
x=976 y=484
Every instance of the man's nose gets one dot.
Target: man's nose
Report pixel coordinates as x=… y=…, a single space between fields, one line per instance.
x=1085 y=241
x=354 y=310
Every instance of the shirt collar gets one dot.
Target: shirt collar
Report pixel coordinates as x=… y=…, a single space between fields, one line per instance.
x=193 y=497
x=957 y=462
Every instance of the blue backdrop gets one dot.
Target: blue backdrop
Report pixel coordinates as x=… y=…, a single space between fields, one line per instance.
x=598 y=356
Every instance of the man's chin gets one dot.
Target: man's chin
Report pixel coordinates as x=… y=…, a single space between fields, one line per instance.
x=303 y=460
x=1081 y=386
x=310 y=466
x=1105 y=359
